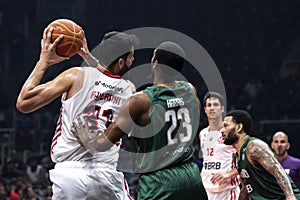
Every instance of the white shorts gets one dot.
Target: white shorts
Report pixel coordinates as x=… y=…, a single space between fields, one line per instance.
x=224 y=195
x=87 y=181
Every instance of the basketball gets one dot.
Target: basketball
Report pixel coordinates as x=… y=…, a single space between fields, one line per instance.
x=73 y=37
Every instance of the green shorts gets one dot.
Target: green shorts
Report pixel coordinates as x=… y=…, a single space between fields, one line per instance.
x=176 y=183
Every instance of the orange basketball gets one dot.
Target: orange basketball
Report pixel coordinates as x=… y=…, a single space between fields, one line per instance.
x=73 y=37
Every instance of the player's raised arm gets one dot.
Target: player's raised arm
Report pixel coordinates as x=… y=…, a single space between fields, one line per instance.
x=33 y=95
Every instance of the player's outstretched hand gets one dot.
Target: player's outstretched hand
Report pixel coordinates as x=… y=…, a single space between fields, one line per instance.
x=219 y=178
x=81 y=130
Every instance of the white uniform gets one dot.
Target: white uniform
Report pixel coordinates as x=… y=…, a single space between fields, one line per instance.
x=33 y=176
x=217 y=157
x=78 y=174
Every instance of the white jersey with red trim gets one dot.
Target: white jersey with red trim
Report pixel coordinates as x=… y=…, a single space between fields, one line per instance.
x=217 y=157
x=100 y=100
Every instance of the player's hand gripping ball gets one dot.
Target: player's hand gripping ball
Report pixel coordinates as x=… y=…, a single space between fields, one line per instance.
x=73 y=37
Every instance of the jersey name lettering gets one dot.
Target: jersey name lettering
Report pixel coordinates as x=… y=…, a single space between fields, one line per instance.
x=175 y=102
x=106 y=97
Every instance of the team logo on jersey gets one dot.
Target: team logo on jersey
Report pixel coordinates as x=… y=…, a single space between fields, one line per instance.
x=112 y=87
x=287 y=171
x=244 y=174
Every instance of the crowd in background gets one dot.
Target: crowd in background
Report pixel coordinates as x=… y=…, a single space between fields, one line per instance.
x=28 y=180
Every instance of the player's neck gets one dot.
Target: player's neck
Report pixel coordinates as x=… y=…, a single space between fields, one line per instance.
x=281 y=158
x=240 y=142
x=164 y=80
x=215 y=124
x=110 y=71
x=165 y=83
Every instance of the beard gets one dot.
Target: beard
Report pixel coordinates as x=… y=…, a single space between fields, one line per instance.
x=231 y=138
x=124 y=70
x=280 y=151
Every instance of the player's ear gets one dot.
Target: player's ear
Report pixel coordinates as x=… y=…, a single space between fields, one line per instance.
x=239 y=128
x=222 y=107
x=272 y=145
x=121 y=62
x=288 y=146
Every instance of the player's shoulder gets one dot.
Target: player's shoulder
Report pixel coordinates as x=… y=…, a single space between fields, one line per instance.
x=73 y=73
x=74 y=69
x=140 y=97
x=256 y=145
x=257 y=142
x=139 y=103
x=294 y=160
x=203 y=132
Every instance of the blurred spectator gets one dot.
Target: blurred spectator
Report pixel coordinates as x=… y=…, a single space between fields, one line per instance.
x=15 y=190
x=47 y=163
x=29 y=194
x=13 y=167
x=280 y=144
x=2 y=192
x=48 y=192
x=35 y=172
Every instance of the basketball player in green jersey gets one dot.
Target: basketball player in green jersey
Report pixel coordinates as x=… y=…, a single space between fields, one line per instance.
x=261 y=173
x=163 y=122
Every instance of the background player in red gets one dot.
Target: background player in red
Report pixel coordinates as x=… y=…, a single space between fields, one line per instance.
x=217 y=157
x=95 y=92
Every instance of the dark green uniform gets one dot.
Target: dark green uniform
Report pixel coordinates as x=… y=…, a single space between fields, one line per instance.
x=260 y=184
x=164 y=148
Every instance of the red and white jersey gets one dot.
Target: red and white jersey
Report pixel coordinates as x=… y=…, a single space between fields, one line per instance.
x=217 y=158
x=100 y=99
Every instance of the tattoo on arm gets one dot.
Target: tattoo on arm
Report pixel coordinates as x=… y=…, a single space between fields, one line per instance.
x=262 y=157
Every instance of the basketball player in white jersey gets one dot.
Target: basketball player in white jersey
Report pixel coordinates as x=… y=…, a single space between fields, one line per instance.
x=217 y=157
x=94 y=92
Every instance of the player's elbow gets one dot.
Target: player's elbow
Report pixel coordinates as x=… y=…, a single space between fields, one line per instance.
x=22 y=107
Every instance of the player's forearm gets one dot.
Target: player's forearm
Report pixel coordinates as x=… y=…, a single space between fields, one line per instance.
x=91 y=60
x=284 y=183
x=281 y=177
x=287 y=189
x=34 y=78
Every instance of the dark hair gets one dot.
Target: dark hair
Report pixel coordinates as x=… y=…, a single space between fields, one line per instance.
x=243 y=117
x=32 y=159
x=214 y=94
x=114 y=45
x=170 y=54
